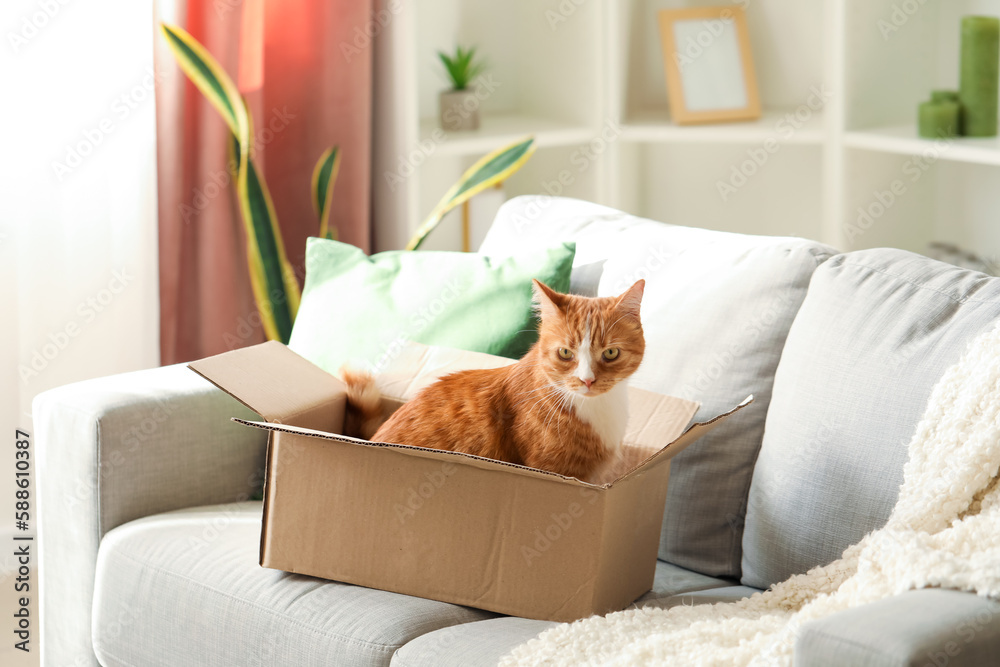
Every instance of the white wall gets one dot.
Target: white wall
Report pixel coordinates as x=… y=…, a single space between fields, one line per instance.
x=78 y=263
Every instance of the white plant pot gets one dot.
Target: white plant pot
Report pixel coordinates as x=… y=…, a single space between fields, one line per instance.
x=459 y=110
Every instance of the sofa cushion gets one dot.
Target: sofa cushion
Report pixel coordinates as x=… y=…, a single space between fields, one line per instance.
x=184 y=588
x=478 y=644
x=483 y=643
x=715 y=313
x=671 y=580
x=875 y=333
x=932 y=627
x=707 y=596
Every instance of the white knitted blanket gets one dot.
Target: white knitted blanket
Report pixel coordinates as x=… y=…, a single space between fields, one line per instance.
x=944 y=532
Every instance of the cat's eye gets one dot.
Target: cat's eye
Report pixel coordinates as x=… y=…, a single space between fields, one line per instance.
x=611 y=353
x=565 y=353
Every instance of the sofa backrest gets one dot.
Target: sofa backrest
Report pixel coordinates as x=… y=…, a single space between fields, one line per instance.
x=716 y=311
x=875 y=333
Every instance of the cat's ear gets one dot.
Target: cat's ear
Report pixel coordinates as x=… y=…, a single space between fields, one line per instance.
x=547 y=300
x=630 y=301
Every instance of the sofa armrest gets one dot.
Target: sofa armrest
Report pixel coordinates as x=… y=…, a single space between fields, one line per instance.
x=115 y=449
x=933 y=626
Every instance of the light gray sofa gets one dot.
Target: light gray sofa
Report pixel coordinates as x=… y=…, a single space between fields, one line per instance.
x=149 y=545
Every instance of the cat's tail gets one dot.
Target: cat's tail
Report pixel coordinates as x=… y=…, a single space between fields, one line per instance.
x=363 y=395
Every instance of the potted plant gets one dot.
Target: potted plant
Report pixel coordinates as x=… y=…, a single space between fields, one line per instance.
x=459 y=105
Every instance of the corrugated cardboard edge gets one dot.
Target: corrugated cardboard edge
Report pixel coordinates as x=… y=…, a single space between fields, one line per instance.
x=691 y=435
x=265 y=492
x=423 y=452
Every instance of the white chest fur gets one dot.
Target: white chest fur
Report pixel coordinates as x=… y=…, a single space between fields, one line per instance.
x=607 y=414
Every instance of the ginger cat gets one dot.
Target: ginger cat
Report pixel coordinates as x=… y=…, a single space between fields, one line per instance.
x=563 y=407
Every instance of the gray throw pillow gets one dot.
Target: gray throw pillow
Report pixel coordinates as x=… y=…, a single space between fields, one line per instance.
x=875 y=333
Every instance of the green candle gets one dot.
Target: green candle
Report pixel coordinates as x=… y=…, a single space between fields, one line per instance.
x=978 y=85
x=939 y=118
x=944 y=96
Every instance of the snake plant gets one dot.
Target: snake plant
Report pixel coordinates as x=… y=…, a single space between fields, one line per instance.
x=488 y=172
x=275 y=288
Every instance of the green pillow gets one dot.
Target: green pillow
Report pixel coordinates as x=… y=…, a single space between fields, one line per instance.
x=360 y=310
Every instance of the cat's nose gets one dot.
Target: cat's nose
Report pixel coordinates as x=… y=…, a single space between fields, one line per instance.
x=589 y=382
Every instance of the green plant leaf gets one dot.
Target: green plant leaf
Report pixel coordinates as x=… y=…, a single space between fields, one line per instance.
x=275 y=287
x=324 y=177
x=462 y=68
x=262 y=230
x=206 y=74
x=487 y=172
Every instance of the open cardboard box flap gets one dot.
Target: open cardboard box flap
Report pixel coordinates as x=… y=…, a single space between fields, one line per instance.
x=445 y=525
x=278 y=384
x=679 y=444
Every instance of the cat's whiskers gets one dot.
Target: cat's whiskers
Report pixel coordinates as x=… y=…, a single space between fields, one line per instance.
x=551 y=389
x=567 y=400
x=557 y=414
x=545 y=400
x=553 y=411
x=558 y=407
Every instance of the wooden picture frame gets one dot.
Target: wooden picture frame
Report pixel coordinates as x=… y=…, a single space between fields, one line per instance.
x=709 y=65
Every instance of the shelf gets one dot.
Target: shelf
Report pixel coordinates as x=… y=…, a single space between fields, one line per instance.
x=565 y=73
x=903 y=140
x=497 y=130
x=655 y=126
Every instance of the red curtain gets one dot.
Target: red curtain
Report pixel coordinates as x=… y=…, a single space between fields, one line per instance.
x=305 y=95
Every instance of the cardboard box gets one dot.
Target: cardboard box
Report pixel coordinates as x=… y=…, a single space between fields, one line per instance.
x=445 y=525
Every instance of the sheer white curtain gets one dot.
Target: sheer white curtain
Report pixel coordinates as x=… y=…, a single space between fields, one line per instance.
x=78 y=263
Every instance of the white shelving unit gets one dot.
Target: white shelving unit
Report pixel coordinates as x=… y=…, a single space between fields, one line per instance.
x=839 y=80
